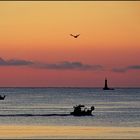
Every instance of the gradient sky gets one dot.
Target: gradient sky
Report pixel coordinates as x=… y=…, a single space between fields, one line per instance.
x=37 y=50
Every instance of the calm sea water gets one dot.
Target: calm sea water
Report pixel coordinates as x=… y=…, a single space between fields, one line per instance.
x=52 y=106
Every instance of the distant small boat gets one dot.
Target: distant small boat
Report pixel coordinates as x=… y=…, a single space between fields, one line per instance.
x=2 y=97
x=80 y=110
x=106 y=86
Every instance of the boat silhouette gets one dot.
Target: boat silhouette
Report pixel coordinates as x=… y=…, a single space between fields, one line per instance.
x=2 y=97
x=81 y=110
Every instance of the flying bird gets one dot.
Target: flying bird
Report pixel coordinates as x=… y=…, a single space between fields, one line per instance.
x=75 y=36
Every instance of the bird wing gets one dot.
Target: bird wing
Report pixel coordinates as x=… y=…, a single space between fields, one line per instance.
x=71 y=34
x=75 y=36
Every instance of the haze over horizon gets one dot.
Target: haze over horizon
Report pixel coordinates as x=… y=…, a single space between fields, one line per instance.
x=38 y=51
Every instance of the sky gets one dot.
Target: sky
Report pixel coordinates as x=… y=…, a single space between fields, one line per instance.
x=36 y=49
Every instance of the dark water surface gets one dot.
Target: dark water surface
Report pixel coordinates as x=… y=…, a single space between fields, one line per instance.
x=52 y=106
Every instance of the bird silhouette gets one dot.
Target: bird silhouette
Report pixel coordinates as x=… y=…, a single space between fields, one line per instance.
x=75 y=36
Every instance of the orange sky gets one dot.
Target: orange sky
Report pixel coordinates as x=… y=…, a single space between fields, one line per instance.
x=38 y=32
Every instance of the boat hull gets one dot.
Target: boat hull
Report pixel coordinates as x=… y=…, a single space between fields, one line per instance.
x=88 y=113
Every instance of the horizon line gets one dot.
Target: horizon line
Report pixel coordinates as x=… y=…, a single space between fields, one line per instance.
x=62 y=87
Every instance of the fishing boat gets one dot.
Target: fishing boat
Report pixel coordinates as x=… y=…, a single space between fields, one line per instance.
x=2 y=97
x=81 y=110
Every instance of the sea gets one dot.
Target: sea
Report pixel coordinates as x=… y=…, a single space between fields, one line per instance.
x=52 y=106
